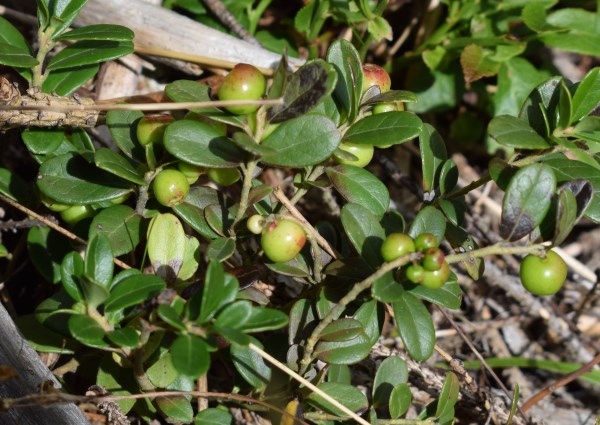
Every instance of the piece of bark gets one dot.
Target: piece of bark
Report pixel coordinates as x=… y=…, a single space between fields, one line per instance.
x=156 y=27
x=31 y=375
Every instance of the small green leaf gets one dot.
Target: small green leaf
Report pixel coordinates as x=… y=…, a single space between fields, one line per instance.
x=234 y=316
x=190 y=356
x=71 y=272
x=344 y=352
x=11 y=36
x=170 y=316
x=296 y=267
x=89 y=52
x=539 y=105
x=15 y=56
x=379 y=28
x=250 y=364
x=65 y=81
x=217 y=292
x=515 y=133
x=359 y=186
x=339 y=373
x=341 y=330
x=304 y=89
x=43 y=141
x=566 y=216
x=391 y=372
x=213 y=416
x=220 y=249
x=388 y=128
x=166 y=245
x=125 y=337
x=122 y=126
x=428 y=220
x=386 y=289
x=391 y=96
x=370 y=316
x=448 y=176
x=348 y=90
x=415 y=326
x=587 y=95
x=46 y=249
x=13 y=186
x=449 y=295
x=176 y=409
x=121 y=225
x=86 y=330
x=400 y=400
x=264 y=319
x=98 y=32
x=114 y=163
x=68 y=179
x=364 y=231
x=565 y=107
x=133 y=290
x=527 y=200
x=348 y=395
x=99 y=258
x=199 y=143
x=43 y=339
x=433 y=156
x=448 y=396
x=162 y=372
x=304 y=141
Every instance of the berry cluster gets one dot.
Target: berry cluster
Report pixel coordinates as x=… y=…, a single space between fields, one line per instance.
x=281 y=240
x=431 y=270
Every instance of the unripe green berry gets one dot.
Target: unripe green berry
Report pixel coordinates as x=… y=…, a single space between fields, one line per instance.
x=415 y=273
x=223 y=176
x=364 y=153
x=374 y=75
x=282 y=240
x=380 y=108
x=190 y=171
x=244 y=82
x=396 y=245
x=76 y=213
x=170 y=187
x=151 y=128
x=425 y=241
x=255 y=224
x=436 y=279
x=53 y=205
x=433 y=259
x=543 y=276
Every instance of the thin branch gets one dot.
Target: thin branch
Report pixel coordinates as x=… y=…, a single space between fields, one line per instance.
x=227 y=18
x=497 y=249
x=306 y=383
x=54 y=226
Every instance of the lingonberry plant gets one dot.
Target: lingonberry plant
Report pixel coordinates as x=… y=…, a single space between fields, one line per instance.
x=186 y=302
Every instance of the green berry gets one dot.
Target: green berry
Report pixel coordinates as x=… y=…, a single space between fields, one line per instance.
x=170 y=187
x=364 y=153
x=244 y=82
x=151 y=128
x=425 y=241
x=53 y=205
x=223 y=176
x=436 y=279
x=190 y=171
x=374 y=75
x=282 y=240
x=76 y=213
x=543 y=276
x=380 y=108
x=415 y=273
x=433 y=260
x=396 y=245
x=255 y=224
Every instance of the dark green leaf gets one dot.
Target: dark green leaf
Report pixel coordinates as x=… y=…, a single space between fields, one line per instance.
x=386 y=289
x=566 y=216
x=89 y=52
x=392 y=96
x=587 y=95
x=235 y=315
x=190 y=357
x=301 y=142
x=359 y=186
x=247 y=143
x=341 y=330
x=13 y=186
x=264 y=319
x=41 y=338
x=344 y=352
x=364 y=231
x=388 y=128
x=98 y=32
x=541 y=104
x=116 y=164
x=176 y=409
x=339 y=373
x=391 y=372
x=86 y=330
x=349 y=268
x=433 y=155
x=64 y=12
x=448 y=176
x=99 y=258
x=162 y=372
x=43 y=141
x=449 y=295
x=125 y=337
x=219 y=218
x=501 y=172
x=527 y=200
x=63 y=82
x=166 y=245
x=220 y=249
x=304 y=89
x=400 y=400
x=71 y=271
x=46 y=249
x=346 y=61
x=448 y=396
x=213 y=416
x=565 y=107
x=11 y=36
x=133 y=290
x=216 y=293
x=454 y=210
x=122 y=126
x=170 y=316
x=201 y=144
x=428 y=220
x=348 y=395
x=370 y=316
x=15 y=56
x=192 y=209
x=250 y=364
x=296 y=267
x=121 y=225
x=415 y=327
x=515 y=133
x=70 y=179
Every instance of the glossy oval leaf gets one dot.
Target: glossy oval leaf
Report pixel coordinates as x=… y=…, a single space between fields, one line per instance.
x=391 y=372
x=166 y=245
x=386 y=289
x=86 y=330
x=348 y=395
x=348 y=90
x=587 y=95
x=121 y=225
x=388 y=128
x=133 y=290
x=359 y=186
x=217 y=292
x=428 y=220
x=433 y=155
x=70 y=179
x=190 y=356
x=341 y=330
x=201 y=144
x=304 y=141
x=122 y=126
x=515 y=133
x=116 y=164
x=527 y=200
x=415 y=327
x=250 y=364
x=344 y=352
x=63 y=82
x=264 y=319
x=213 y=416
x=176 y=409
x=234 y=315
x=400 y=400
x=448 y=396
x=15 y=56
x=364 y=231
x=99 y=265
x=98 y=32
x=89 y=52
x=220 y=249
